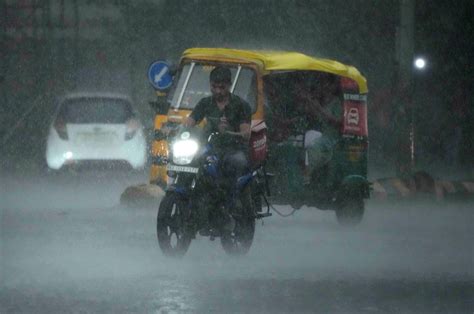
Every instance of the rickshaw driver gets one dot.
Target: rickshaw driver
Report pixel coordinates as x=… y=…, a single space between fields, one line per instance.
x=229 y=115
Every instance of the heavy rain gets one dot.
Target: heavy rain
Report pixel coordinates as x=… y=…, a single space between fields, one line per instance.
x=88 y=127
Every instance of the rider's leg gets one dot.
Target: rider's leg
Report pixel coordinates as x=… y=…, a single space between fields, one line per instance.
x=235 y=164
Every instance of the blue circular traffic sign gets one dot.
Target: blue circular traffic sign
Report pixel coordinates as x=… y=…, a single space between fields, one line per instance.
x=159 y=75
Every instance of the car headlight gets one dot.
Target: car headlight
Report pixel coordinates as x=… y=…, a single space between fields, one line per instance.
x=184 y=151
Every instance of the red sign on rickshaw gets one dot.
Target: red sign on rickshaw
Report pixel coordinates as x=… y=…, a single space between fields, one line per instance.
x=355 y=117
x=355 y=109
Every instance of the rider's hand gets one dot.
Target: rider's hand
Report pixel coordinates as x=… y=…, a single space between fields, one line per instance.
x=223 y=125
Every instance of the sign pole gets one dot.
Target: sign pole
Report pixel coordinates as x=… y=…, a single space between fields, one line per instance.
x=405 y=110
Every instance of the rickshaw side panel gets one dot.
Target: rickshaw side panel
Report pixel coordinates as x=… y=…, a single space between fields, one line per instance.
x=159 y=149
x=351 y=158
x=352 y=153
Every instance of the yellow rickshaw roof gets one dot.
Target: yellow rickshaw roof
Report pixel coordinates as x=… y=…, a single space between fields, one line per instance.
x=280 y=61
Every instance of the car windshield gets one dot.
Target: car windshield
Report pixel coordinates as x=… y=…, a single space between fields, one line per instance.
x=193 y=85
x=95 y=110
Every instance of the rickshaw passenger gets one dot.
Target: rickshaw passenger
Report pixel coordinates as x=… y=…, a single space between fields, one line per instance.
x=323 y=108
x=314 y=111
x=286 y=129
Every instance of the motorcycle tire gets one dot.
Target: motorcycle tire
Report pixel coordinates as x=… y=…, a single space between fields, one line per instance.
x=238 y=241
x=173 y=237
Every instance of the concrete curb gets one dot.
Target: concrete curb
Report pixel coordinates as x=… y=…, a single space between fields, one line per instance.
x=141 y=195
x=420 y=183
x=445 y=188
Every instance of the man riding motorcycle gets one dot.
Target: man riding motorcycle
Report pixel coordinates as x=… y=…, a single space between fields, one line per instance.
x=230 y=116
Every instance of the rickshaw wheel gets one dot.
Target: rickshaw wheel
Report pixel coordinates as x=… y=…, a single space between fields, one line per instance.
x=350 y=212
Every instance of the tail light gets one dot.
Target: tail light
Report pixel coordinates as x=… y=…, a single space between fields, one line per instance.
x=132 y=127
x=61 y=129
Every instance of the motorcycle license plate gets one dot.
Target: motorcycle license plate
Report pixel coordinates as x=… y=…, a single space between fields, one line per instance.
x=182 y=169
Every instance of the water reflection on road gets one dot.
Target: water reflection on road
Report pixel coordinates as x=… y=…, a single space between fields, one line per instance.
x=67 y=245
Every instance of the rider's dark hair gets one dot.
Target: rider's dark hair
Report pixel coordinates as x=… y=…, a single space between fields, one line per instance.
x=220 y=74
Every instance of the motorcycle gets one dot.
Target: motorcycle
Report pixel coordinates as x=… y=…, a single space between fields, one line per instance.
x=198 y=201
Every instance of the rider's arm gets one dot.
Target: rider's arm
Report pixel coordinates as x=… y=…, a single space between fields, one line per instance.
x=196 y=116
x=189 y=122
x=245 y=120
x=244 y=131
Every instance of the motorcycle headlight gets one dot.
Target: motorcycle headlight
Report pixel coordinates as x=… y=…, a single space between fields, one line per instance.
x=184 y=151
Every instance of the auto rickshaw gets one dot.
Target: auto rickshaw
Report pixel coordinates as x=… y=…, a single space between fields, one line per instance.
x=261 y=77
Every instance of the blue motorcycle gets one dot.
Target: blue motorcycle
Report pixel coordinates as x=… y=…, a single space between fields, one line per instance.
x=199 y=200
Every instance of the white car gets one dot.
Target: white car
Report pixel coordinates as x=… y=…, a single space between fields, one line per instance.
x=95 y=128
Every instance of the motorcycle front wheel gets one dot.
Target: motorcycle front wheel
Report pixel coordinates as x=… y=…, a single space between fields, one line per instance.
x=173 y=237
x=238 y=241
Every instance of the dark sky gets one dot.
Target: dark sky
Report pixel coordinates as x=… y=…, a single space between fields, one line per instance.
x=444 y=32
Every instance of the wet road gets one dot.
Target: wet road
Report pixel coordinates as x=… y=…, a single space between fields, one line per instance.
x=68 y=246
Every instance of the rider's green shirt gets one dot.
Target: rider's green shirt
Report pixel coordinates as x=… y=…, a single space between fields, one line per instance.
x=237 y=111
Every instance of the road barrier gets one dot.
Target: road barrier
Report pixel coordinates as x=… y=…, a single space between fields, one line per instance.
x=141 y=195
x=421 y=183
